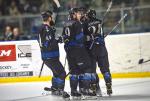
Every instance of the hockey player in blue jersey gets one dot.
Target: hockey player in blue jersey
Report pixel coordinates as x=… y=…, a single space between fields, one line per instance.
x=50 y=54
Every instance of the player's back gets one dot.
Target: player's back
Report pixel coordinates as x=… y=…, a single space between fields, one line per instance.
x=47 y=39
x=95 y=27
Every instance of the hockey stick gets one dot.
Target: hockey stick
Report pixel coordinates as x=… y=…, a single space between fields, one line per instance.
x=92 y=43
x=68 y=73
x=141 y=61
x=118 y=23
x=41 y=69
x=43 y=61
x=108 y=9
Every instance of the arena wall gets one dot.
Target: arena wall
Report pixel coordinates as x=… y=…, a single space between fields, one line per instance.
x=129 y=56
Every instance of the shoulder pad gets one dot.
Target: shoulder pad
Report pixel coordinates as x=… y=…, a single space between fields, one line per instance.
x=94 y=22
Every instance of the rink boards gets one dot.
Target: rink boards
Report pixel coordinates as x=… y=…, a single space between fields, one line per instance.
x=129 y=54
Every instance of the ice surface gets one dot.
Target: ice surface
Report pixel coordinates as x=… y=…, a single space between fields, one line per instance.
x=123 y=89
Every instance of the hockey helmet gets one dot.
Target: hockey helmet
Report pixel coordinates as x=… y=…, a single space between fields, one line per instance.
x=45 y=15
x=91 y=13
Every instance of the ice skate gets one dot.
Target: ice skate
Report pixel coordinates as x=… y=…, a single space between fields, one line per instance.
x=88 y=94
x=65 y=95
x=99 y=93
x=96 y=89
x=57 y=92
x=76 y=95
x=109 y=89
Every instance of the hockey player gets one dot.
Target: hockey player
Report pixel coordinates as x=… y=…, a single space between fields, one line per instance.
x=77 y=56
x=94 y=85
x=97 y=49
x=50 y=54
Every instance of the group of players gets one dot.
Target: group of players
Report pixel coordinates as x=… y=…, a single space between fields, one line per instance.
x=84 y=44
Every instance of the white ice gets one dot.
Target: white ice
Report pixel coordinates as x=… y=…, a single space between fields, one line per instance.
x=123 y=89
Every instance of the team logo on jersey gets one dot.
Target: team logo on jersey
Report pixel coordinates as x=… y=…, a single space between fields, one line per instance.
x=7 y=53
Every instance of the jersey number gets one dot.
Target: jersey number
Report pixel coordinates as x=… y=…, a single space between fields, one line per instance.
x=67 y=31
x=95 y=30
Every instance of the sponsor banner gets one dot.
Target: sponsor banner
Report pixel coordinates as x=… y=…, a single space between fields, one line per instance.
x=19 y=58
x=16 y=74
x=24 y=52
x=7 y=53
x=5 y=67
x=127 y=54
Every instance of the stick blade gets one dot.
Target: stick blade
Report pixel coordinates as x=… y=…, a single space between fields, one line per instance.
x=141 y=61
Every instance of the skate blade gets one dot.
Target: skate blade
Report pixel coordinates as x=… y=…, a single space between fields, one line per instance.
x=89 y=98
x=46 y=93
x=109 y=95
x=74 y=98
x=99 y=95
x=67 y=99
x=47 y=89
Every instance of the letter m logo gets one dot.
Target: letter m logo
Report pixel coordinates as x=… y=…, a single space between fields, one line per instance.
x=7 y=53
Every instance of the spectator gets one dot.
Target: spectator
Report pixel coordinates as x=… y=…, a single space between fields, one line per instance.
x=8 y=33
x=21 y=6
x=30 y=7
x=16 y=34
x=13 y=9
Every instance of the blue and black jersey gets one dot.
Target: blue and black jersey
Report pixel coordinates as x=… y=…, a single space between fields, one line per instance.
x=48 y=43
x=73 y=33
x=94 y=29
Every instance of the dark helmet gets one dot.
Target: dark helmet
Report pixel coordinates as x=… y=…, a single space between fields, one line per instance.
x=91 y=13
x=83 y=10
x=45 y=15
x=71 y=11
